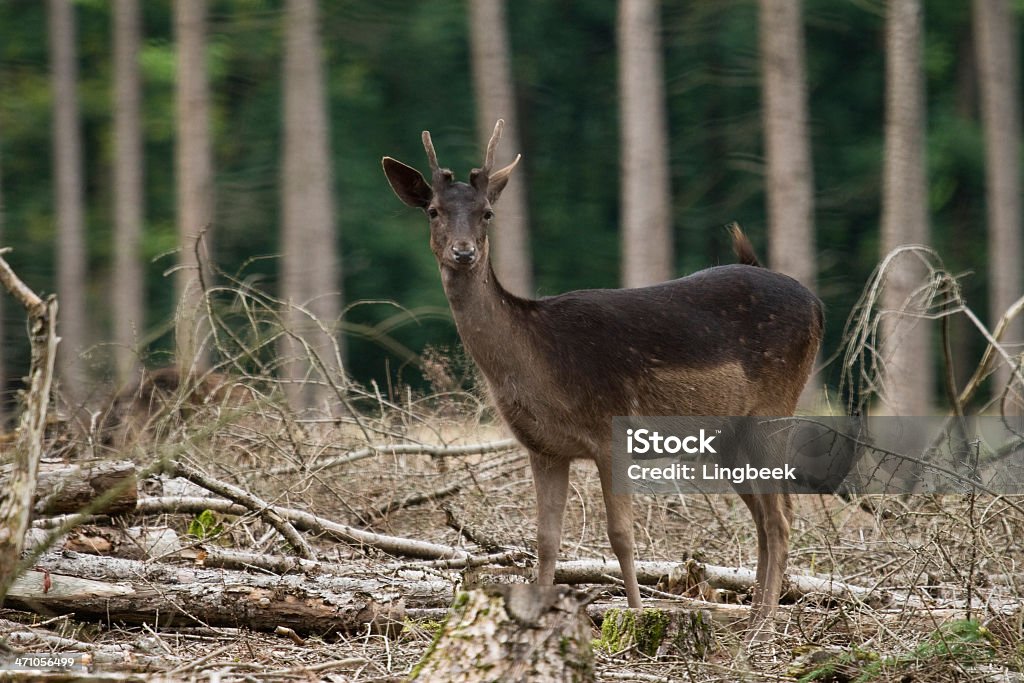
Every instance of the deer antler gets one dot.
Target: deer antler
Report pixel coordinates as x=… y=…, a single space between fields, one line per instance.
x=492 y=146
x=439 y=176
x=480 y=177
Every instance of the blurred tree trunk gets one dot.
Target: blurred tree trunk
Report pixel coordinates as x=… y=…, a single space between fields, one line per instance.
x=906 y=344
x=647 y=251
x=3 y=340
x=790 y=185
x=495 y=99
x=67 y=164
x=309 y=243
x=194 y=172
x=964 y=224
x=789 y=174
x=127 y=282
x=995 y=31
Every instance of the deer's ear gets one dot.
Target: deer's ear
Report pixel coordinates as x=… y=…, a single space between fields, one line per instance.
x=497 y=180
x=408 y=183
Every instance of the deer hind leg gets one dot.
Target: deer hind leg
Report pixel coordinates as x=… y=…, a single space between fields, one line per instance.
x=551 y=484
x=773 y=514
x=619 y=509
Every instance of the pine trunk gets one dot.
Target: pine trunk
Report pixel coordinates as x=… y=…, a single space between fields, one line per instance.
x=906 y=345
x=997 y=54
x=195 y=181
x=495 y=99
x=309 y=243
x=67 y=164
x=647 y=251
x=128 y=287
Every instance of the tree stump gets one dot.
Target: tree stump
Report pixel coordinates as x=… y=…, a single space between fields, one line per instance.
x=511 y=633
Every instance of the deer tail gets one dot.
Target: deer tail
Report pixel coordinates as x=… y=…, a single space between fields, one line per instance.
x=741 y=245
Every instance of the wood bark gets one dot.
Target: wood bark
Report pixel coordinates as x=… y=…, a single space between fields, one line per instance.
x=68 y=190
x=647 y=251
x=194 y=173
x=310 y=268
x=16 y=498
x=789 y=184
x=65 y=488
x=996 y=43
x=512 y=633
x=906 y=349
x=127 y=287
x=494 y=91
x=133 y=592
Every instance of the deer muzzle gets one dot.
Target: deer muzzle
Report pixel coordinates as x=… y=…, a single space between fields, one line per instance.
x=464 y=253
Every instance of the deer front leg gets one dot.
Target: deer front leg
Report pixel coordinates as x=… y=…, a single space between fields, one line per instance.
x=620 y=532
x=551 y=484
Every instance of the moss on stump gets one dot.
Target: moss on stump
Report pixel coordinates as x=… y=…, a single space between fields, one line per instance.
x=657 y=632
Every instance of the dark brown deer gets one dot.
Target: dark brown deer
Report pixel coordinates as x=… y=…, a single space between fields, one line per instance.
x=730 y=340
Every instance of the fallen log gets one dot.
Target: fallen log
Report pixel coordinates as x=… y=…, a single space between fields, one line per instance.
x=133 y=592
x=736 y=579
x=132 y=543
x=64 y=488
x=71 y=488
x=512 y=633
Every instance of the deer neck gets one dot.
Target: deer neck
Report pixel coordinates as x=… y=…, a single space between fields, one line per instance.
x=490 y=320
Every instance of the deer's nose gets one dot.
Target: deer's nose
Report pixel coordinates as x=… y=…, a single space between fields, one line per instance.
x=464 y=252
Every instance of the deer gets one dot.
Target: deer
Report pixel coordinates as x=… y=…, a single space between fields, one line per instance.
x=730 y=340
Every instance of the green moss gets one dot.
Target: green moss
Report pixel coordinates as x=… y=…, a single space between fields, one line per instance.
x=623 y=628
x=461 y=598
x=438 y=632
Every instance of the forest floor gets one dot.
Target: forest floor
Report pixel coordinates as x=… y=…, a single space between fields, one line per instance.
x=942 y=551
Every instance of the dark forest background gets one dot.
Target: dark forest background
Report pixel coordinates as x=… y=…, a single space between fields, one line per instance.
x=395 y=67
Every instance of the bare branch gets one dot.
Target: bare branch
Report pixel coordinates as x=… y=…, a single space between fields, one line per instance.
x=249 y=500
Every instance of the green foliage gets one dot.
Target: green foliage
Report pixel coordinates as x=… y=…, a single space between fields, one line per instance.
x=951 y=646
x=205 y=525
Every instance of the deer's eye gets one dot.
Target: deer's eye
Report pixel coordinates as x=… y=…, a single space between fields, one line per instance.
x=488 y=215
x=432 y=212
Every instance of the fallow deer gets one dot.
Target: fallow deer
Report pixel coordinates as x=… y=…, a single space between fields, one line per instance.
x=730 y=340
